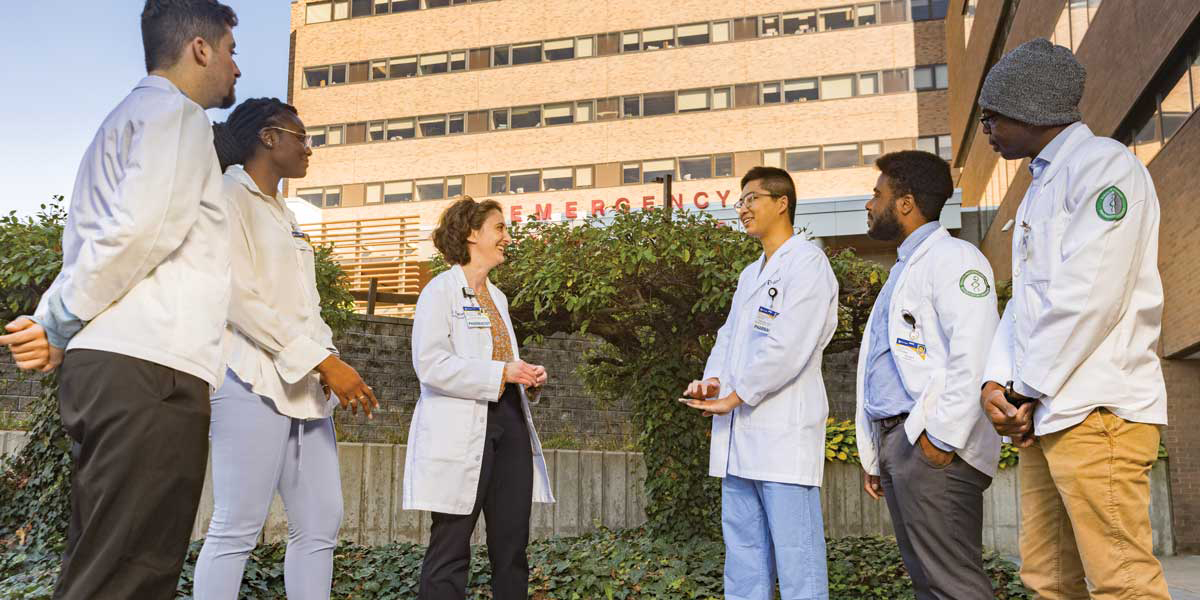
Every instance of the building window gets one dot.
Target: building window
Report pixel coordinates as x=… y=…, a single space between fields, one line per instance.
x=560 y=49
x=401 y=129
x=457 y=123
x=403 y=67
x=526 y=116
x=658 y=104
x=931 y=77
x=657 y=39
x=333 y=135
x=360 y=8
x=631 y=106
x=497 y=183
x=525 y=181
x=558 y=114
x=768 y=26
x=655 y=169
x=318 y=13
x=895 y=80
x=699 y=167
x=693 y=100
x=458 y=61
x=433 y=63
x=431 y=189
x=866 y=14
x=841 y=86
x=375 y=131
x=841 y=155
x=585 y=47
x=631 y=173
x=723 y=165
x=405 y=5
x=773 y=158
x=374 y=193
x=583 y=111
x=379 y=69
x=868 y=84
x=837 y=18
x=381 y=6
x=316 y=137
x=454 y=186
x=436 y=3
x=314 y=196
x=337 y=74
x=398 y=191
x=692 y=35
x=359 y=72
x=631 y=41
x=526 y=54
x=770 y=93
x=800 y=90
x=583 y=177
x=720 y=31
x=721 y=98
x=500 y=56
x=433 y=126
x=800 y=22
x=892 y=11
x=926 y=10
x=554 y=180
x=935 y=144
x=333 y=197
x=316 y=77
x=871 y=151
x=500 y=119
x=803 y=159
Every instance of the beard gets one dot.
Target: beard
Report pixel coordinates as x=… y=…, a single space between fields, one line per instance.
x=886 y=227
x=228 y=99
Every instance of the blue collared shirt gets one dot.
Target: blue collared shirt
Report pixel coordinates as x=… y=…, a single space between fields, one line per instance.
x=884 y=393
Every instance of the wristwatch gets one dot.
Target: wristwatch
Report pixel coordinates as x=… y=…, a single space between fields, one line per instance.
x=1014 y=398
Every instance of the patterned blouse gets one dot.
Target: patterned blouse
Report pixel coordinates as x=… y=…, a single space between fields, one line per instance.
x=501 y=343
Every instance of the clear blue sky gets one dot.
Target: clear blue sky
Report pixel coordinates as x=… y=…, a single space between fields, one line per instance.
x=71 y=61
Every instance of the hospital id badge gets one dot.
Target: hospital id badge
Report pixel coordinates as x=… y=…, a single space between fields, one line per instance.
x=909 y=350
x=475 y=318
x=766 y=317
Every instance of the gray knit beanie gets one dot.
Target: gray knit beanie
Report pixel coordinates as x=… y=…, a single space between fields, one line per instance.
x=1037 y=83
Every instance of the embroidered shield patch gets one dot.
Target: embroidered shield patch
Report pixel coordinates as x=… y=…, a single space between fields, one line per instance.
x=974 y=284
x=1111 y=204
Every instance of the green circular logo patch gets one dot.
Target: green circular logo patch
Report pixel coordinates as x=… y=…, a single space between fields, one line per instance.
x=1111 y=204
x=974 y=284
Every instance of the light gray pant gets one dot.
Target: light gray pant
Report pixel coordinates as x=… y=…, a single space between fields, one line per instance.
x=255 y=452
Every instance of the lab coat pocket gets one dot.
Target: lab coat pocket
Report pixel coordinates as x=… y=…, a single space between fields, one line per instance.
x=444 y=427
x=1041 y=247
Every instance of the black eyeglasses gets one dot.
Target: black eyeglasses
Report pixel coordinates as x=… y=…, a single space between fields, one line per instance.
x=988 y=121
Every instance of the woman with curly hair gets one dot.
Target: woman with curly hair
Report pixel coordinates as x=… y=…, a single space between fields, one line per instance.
x=471 y=444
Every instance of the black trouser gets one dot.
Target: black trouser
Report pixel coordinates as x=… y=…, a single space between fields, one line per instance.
x=140 y=443
x=505 y=496
x=937 y=513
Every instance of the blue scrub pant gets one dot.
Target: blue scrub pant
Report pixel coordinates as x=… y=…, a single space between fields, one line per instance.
x=773 y=529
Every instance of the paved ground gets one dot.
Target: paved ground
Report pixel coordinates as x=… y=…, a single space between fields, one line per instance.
x=1183 y=576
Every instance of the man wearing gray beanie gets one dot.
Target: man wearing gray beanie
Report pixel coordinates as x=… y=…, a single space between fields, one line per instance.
x=1072 y=375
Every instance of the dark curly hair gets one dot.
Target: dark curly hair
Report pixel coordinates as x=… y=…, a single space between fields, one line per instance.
x=926 y=176
x=169 y=24
x=457 y=223
x=236 y=138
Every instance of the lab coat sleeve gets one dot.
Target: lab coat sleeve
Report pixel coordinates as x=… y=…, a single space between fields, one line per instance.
x=294 y=353
x=437 y=365
x=968 y=324
x=1000 y=356
x=160 y=167
x=1092 y=285
x=800 y=332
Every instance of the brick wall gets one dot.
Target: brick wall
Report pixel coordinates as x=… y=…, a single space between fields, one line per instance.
x=380 y=348
x=1183 y=446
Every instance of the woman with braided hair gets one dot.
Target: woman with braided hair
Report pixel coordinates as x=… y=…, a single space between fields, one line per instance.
x=282 y=366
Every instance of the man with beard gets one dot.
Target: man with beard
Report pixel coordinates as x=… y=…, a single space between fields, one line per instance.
x=925 y=444
x=139 y=308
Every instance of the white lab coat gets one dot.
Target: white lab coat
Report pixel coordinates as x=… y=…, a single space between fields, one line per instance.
x=948 y=289
x=458 y=380
x=1086 y=313
x=778 y=434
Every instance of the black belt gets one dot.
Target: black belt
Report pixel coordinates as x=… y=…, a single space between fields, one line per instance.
x=891 y=422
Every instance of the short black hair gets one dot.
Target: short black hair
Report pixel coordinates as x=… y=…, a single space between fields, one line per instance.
x=169 y=24
x=236 y=138
x=924 y=175
x=778 y=182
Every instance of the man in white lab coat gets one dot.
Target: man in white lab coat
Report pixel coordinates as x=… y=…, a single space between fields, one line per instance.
x=1072 y=374
x=139 y=308
x=925 y=444
x=762 y=386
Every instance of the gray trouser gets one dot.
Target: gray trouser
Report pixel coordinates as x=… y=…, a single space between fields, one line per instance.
x=257 y=452
x=937 y=513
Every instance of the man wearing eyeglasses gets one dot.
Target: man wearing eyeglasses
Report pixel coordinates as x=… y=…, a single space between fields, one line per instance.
x=925 y=445
x=763 y=387
x=1072 y=374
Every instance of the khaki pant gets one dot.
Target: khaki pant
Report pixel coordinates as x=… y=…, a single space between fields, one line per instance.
x=1085 y=504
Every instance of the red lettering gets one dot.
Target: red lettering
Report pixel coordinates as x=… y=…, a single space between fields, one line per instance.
x=647 y=202
x=597 y=207
x=515 y=212
x=723 y=197
x=622 y=204
x=542 y=211
x=677 y=200
x=696 y=200
x=571 y=212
